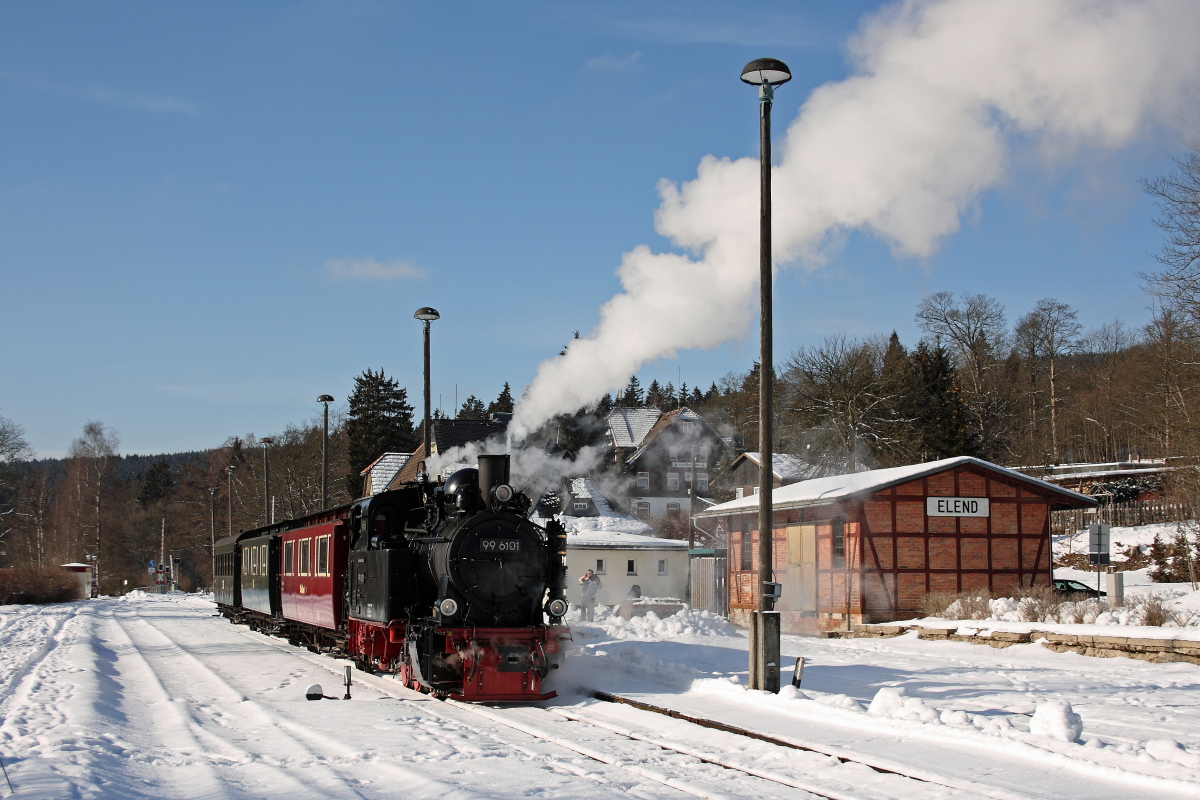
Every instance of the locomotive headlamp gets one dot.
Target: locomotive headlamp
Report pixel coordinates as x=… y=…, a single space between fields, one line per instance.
x=504 y=493
x=448 y=607
x=557 y=607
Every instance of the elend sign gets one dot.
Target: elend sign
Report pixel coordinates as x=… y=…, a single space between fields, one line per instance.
x=956 y=506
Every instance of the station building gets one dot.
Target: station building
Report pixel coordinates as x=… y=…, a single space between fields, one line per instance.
x=867 y=547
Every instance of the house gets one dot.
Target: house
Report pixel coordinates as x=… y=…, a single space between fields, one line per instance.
x=446 y=435
x=867 y=547
x=744 y=472
x=620 y=550
x=380 y=472
x=661 y=452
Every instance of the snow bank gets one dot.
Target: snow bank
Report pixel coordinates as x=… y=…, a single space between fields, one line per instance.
x=689 y=622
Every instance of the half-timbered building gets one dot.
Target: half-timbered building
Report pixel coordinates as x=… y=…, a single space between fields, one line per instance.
x=867 y=547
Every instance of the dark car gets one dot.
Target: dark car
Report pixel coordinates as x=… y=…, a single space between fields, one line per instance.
x=1075 y=588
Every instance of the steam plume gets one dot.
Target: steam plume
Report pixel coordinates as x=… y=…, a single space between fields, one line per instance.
x=901 y=148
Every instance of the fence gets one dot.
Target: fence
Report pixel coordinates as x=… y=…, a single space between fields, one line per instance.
x=1134 y=512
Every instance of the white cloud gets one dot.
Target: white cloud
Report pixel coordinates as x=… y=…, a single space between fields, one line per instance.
x=344 y=269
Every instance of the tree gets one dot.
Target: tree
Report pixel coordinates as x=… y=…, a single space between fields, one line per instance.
x=937 y=405
x=13 y=447
x=503 y=404
x=654 y=396
x=632 y=398
x=156 y=483
x=380 y=420
x=92 y=455
x=1177 y=195
x=472 y=408
x=1048 y=333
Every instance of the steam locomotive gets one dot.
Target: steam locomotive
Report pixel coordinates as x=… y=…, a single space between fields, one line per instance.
x=450 y=586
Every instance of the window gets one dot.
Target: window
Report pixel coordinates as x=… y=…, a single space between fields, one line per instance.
x=662 y=566
x=643 y=480
x=262 y=561
x=245 y=560
x=739 y=492
x=673 y=452
x=687 y=476
x=305 y=556
x=702 y=454
x=641 y=509
x=687 y=426
x=631 y=567
x=289 y=559
x=672 y=481
x=599 y=566
x=673 y=510
x=323 y=555
x=747 y=549
x=253 y=560
x=702 y=481
x=839 y=541
x=579 y=505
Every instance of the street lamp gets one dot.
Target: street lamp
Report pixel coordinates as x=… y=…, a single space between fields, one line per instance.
x=766 y=74
x=212 y=508
x=326 y=399
x=426 y=315
x=265 y=442
x=229 y=474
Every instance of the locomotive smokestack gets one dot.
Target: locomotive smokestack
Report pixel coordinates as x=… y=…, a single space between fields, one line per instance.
x=493 y=471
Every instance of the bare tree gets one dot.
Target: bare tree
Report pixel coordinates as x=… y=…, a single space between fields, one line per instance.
x=13 y=447
x=93 y=453
x=973 y=330
x=1050 y=332
x=1178 y=197
x=837 y=388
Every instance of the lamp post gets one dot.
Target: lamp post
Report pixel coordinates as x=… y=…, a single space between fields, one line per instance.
x=266 y=442
x=212 y=508
x=426 y=315
x=229 y=518
x=766 y=74
x=326 y=400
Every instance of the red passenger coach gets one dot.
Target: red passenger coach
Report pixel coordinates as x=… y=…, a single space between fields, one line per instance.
x=312 y=570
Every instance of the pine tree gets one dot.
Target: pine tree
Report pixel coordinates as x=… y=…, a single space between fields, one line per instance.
x=668 y=397
x=938 y=408
x=632 y=398
x=504 y=403
x=654 y=395
x=472 y=408
x=683 y=398
x=156 y=483
x=380 y=420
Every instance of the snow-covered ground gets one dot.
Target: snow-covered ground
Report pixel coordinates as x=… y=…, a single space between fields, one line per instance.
x=153 y=696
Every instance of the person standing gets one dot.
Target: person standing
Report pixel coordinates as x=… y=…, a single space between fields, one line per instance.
x=589 y=584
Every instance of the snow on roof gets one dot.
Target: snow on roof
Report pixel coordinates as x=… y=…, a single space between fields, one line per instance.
x=618 y=540
x=384 y=468
x=629 y=426
x=684 y=414
x=581 y=489
x=838 y=487
x=787 y=467
x=609 y=523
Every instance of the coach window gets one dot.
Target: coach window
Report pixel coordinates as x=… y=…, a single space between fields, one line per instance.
x=289 y=553
x=262 y=560
x=305 y=556
x=838 y=526
x=323 y=555
x=246 y=561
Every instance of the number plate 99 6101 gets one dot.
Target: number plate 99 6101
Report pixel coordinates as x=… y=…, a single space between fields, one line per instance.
x=499 y=545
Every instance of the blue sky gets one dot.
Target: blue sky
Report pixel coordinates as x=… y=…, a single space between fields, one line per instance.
x=211 y=213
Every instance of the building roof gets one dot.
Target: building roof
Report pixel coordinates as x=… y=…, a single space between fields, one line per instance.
x=787 y=468
x=840 y=487
x=665 y=422
x=384 y=468
x=447 y=434
x=629 y=426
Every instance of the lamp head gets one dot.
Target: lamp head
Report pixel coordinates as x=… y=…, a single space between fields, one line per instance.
x=427 y=314
x=266 y=440
x=325 y=398
x=769 y=71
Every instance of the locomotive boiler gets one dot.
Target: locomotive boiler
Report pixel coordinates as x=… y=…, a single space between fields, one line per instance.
x=451 y=586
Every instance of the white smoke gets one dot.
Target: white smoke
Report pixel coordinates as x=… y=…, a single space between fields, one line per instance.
x=531 y=470
x=901 y=149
